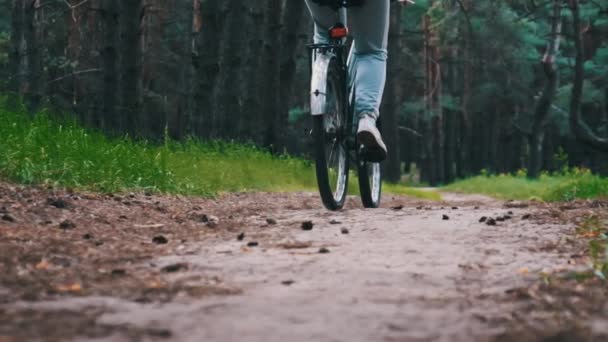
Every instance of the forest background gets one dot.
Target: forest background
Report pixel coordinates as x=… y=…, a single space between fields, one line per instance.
x=473 y=86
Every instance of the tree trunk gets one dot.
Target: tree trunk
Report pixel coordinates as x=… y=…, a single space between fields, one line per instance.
x=392 y=98
x=207 y=66
x=293 y=14
x=229 y=97
x=130 y=70
x=466 y=159
x=15 y=52
x=543 y=105
x=271 y=75
x=179 y=39
x=580 y=129
x=434 y=111
x=252 y=97
x=33 y=95
x=112 y=120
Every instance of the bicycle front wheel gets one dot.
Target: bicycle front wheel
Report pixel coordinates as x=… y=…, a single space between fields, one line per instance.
x=329 y=134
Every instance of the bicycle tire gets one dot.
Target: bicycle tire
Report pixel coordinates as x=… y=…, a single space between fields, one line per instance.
x=370 y=183
x=329 y=130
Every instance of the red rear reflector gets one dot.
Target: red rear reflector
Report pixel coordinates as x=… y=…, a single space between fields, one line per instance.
x=338 y=32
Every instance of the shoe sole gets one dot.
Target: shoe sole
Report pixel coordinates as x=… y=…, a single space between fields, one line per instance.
x=371 y=151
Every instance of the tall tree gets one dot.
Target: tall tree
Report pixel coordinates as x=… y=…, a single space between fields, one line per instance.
x=392 y=101
x=33 y=95
x=207 y=66
x=270 y=74
x=109 y=54
x=130 y=20
x=578 y=127
x=545 y=101
x=293 y=14
x=230 y=85
x=15 y=50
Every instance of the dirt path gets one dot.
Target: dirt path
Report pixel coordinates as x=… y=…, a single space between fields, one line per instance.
x=411 y=271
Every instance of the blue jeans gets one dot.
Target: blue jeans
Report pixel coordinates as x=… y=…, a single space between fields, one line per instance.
x=369 y=26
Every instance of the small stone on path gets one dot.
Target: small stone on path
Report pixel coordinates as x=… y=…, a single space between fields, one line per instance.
x=8 y=218
x=58 y=203
x=67 y=224
x=175 y=268
x=160 y=240
x=307 y=225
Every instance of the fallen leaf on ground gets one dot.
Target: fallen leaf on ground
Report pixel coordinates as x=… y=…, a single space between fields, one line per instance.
x=42 y=265
x=149 y=226
x=74 y=287
x=295 y=245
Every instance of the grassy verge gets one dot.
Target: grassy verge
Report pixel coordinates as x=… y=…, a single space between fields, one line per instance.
x=565 y=186
x=44 y=151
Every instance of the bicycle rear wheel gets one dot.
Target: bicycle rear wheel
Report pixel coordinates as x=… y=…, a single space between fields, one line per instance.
x=329 y=134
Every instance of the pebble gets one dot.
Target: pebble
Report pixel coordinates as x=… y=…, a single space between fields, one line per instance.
x=160 y=240
x=8 y=218
x=67 y=224
x=307 y=225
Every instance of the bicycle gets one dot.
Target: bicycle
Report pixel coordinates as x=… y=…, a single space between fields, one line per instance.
x=334 y=128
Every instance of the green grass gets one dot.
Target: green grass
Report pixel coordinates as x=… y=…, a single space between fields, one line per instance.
x=565 y=186
x=63 y=154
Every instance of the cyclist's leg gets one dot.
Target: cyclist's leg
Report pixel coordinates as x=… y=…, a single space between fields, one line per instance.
x=324 y=18
x=370 y=25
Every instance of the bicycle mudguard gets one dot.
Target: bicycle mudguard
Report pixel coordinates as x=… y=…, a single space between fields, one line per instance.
x=318 y=83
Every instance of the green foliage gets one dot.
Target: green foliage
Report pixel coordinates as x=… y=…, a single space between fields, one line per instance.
x=564 y=186
x=41 y=151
